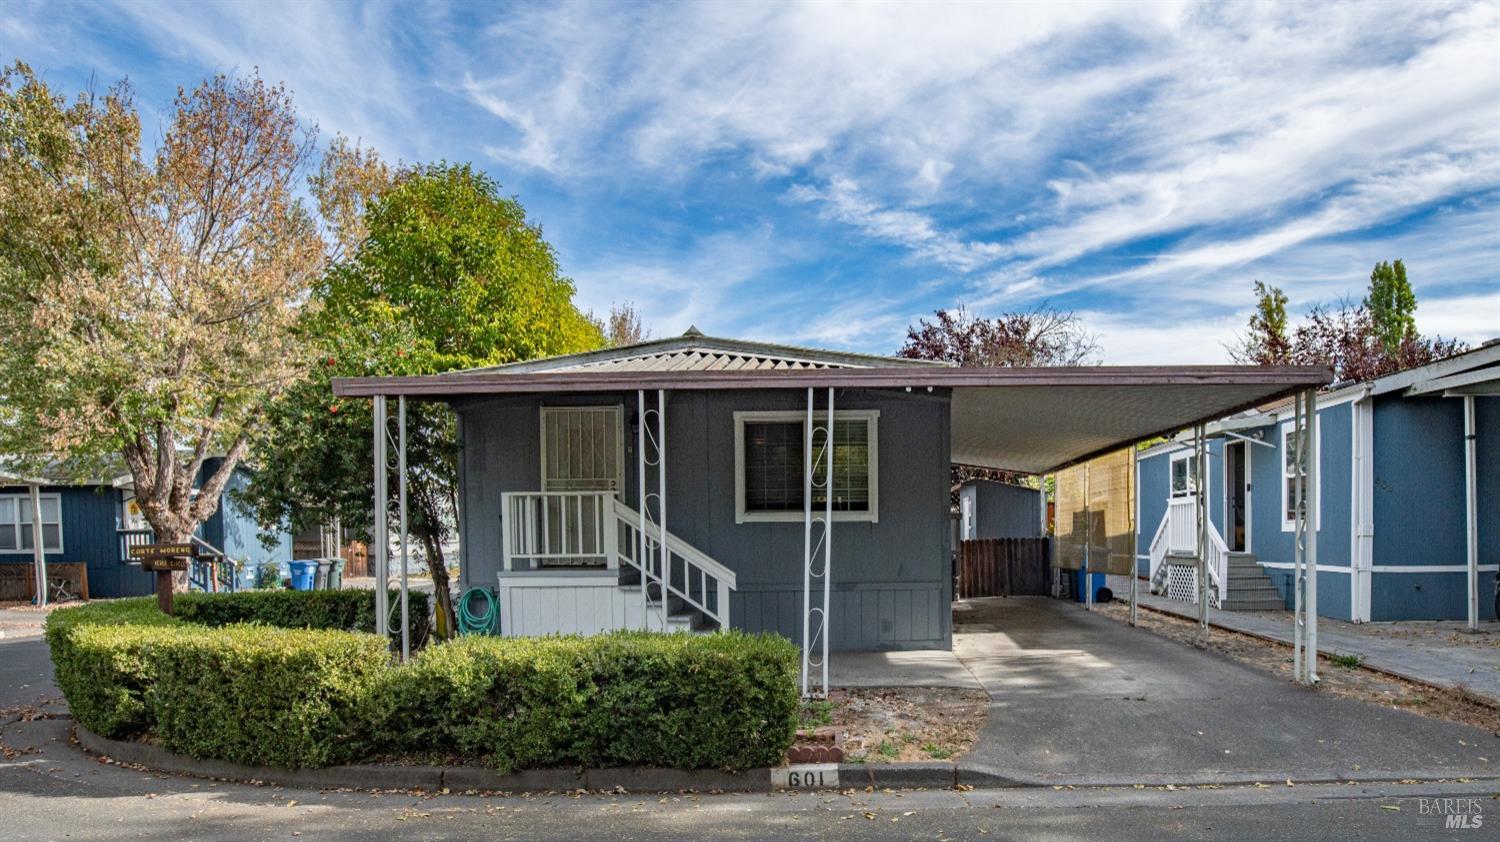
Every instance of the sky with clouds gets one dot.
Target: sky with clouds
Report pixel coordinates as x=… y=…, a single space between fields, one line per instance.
x=827 y=173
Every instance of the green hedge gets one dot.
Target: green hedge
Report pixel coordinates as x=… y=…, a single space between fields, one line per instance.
x=726 y=700
x=206 y=684
x=345 y=610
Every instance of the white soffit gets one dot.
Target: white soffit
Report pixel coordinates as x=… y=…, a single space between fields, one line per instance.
x=1035 y=429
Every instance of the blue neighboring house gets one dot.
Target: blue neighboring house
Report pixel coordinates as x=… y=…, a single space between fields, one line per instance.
x=1392 y=512
x=91 y=520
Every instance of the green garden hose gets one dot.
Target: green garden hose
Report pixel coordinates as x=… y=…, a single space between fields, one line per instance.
x=471 y=623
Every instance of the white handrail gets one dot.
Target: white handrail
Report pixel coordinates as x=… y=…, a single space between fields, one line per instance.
x=1158 y=551
x=1177 y=533
x=698 y=568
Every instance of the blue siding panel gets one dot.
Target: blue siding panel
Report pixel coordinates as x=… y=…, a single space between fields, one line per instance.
x=89 y=517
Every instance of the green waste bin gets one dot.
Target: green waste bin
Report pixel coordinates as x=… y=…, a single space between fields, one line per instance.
x=336 y=575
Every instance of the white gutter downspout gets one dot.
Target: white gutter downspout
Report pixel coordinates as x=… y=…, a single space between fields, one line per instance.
x=1362 y=508
x=1471 y=505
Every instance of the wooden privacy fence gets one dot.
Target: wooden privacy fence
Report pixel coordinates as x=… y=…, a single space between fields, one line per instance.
x=1003 y=567
x=65 y=580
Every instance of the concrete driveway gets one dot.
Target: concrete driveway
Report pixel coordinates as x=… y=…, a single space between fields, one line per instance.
x=1081 y=699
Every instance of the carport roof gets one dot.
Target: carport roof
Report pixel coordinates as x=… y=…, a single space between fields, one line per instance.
x=1031 y=420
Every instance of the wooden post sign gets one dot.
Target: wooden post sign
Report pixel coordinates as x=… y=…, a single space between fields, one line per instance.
x=164 y=559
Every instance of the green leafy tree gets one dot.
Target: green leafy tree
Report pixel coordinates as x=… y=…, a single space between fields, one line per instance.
x=147 y=300
x=447 y=274
x=1267 y=342
x=1392 y=306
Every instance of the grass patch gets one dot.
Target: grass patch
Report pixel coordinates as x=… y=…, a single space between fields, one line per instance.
x=1347 y=661
x=815 y=714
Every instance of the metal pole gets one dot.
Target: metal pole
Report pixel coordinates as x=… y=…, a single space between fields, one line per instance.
x=640 y=455
x=1200 y=501
x=401 y=505
x=827 y=542
x=38 y=547
x=661 y=503
x=1471 y=510
x=378 y=524
x=1134 y=538
x=1299 y=523
x=1311 y=562
x=807 y=461
x=1088 y=541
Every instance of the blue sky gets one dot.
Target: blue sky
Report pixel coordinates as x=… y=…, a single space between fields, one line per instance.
x=826 y=174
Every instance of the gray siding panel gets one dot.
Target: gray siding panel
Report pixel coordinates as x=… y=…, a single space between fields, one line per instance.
x=891 y=579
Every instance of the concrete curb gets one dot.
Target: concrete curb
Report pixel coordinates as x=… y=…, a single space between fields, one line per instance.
x=932 y=775
x=434 y=778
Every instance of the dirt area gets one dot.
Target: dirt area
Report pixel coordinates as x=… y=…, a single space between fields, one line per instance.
x=28 y=607
x=1339 y=676
x=901 y=724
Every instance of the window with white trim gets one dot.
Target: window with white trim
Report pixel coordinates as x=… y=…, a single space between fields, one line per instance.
x=1184 y=474
x=15 y=523
x=770 y=459
x=1290 y=470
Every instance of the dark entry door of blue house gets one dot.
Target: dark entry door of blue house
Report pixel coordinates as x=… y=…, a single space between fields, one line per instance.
x=1236 y=498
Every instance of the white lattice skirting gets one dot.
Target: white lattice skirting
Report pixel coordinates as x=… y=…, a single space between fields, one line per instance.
x=1182 y=584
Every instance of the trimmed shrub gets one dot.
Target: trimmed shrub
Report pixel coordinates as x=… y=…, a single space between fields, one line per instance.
x=268 y=697
x=208 y=684
x=726 y=700
x=101 y=657
x=346 y=610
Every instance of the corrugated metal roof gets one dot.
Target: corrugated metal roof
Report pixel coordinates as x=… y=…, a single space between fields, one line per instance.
x=693 y=351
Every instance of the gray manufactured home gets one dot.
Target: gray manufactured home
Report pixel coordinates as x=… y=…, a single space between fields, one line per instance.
x=694 y=483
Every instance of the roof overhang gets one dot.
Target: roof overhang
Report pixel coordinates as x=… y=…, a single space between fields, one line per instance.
x=1485 y=381
x=1031 y=420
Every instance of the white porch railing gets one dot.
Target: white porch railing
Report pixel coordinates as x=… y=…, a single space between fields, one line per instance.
x=575 y=528
x=1178 y=534
x=557 y=528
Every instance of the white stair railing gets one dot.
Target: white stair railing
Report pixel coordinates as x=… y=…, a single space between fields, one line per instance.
x=1158 y=553
x=1177 y=534
x=682 y=571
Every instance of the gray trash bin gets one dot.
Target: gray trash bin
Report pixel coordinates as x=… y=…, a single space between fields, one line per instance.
x=336 y=574
x=324 y=565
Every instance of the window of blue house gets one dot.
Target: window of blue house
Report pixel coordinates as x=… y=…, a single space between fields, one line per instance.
x=15 y=523
x=1290 y=470
x=1184 y=474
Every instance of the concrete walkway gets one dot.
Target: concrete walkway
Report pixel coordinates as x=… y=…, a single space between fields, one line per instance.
x=1441 y=653
x=1081 y=699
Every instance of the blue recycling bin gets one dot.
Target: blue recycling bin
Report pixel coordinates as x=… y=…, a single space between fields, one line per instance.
x=1097 y=581
x=304 y=575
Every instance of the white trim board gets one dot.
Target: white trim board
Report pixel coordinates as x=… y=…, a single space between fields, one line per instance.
x=1287 y=565
x=1431 y=568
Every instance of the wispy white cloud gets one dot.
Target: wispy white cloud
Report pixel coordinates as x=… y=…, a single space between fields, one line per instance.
x=1122 y=158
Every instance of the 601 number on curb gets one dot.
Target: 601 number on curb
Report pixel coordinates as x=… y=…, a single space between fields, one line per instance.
x=806 y=776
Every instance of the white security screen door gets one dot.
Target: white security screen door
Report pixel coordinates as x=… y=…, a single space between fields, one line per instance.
x=583 y=448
